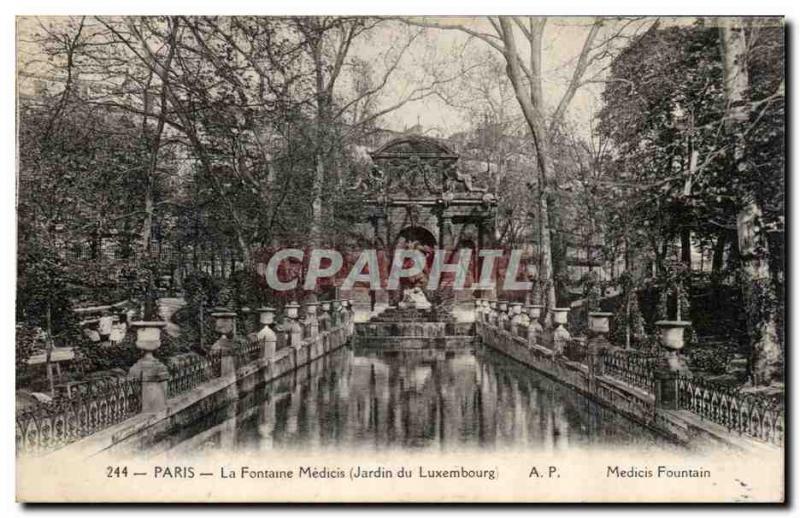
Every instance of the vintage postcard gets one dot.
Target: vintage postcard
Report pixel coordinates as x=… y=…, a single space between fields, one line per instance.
x=400 y=259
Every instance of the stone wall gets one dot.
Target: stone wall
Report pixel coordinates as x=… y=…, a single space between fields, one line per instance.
x=188 y=413
x=581 y=364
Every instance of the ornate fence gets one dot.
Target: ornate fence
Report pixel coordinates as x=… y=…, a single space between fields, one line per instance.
x=87 y=388
x=633 y=369
x=188 y=371
x=576 y=351
x=746 y=414
x=68 y=419
x=249 y=352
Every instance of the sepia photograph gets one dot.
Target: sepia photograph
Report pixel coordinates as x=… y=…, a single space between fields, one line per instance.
x=400 y=259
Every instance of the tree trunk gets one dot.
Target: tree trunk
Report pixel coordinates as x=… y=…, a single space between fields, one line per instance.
x=719 y=252
x=532 y=104
x=686 y=248
x=766 y=363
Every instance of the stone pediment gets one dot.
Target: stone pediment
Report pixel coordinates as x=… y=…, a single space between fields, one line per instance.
x=416 y=167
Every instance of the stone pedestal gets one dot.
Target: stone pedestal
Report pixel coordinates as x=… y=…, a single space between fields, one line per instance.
x=671 y=364
x=534 y=326
x=294 y=330
x=152 y=373
x=598 y=343
x=225 y=325
x=310 y=320
x=266 y=335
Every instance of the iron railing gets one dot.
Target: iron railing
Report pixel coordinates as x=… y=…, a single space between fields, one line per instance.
x=249 y=352
x=633 y=369
x=65 y=420
x=750 y=415
x=188 y=371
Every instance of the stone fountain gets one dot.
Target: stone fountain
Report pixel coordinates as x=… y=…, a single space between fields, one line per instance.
x=414 y=323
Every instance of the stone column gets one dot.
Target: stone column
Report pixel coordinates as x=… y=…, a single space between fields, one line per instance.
x=671 y=365
x=152 y=373
x=225 y=325
x=379 y=228
x=486 y=232
x=597 y=344
x=560 y=334
x=446 y=232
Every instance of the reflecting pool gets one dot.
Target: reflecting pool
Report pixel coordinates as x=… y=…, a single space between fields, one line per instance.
x=416 y=399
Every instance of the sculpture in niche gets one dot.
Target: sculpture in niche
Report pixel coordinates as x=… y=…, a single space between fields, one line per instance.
x=414 y=298
x=414 y=166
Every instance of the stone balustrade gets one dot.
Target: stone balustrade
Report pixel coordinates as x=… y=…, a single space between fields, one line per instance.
x=656 y=389
x=156 y=389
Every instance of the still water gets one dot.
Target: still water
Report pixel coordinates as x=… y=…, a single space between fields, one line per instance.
x=418 y=400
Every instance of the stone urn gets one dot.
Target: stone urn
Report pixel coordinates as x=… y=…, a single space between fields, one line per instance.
x=515 y=311
x=224 y=322
x=148 y=335
x=266 y=315
x=534 y=311
x=560 y=316
x=672 y=339
x=599 y=322
x=671 y=333
x=292 y=310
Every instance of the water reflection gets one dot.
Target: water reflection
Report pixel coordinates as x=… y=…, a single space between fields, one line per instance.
x=415 y=399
